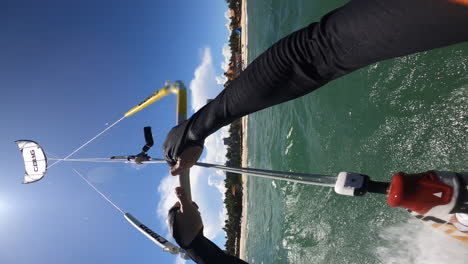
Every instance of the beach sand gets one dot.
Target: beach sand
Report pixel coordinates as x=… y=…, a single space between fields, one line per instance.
x=244 y=34
x=244 y=41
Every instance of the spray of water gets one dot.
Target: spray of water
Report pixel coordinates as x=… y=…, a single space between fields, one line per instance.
x=413 y=243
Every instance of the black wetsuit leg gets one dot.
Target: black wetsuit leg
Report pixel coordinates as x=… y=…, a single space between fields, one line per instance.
x=353 y=36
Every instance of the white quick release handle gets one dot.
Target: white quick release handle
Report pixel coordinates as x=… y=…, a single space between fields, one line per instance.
x=348 y=183
x=356 y=184
x=153 y=236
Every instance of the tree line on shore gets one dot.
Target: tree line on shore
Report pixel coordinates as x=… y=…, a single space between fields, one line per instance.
x=235 y=62
x=233 y=181
x=233 y=184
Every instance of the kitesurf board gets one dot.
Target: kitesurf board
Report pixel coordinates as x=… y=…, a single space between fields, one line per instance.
x=445 y=228
x=442 y=224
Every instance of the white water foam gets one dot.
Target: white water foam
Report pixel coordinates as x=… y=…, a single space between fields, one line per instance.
x=290 y=133
x=290 y=143
x=414 y=243
x=288 y=148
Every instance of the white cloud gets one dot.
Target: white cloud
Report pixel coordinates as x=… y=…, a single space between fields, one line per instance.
x=226 y=50
x=204 y=86
x=221 y=79
x=227 y=15
x=207 y=184
x=167 y=197
x=227 y=56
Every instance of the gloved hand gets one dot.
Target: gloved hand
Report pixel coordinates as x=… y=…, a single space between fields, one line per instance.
x=184 y=219
x=181 y=149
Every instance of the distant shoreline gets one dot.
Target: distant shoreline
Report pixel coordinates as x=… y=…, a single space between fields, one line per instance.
x=244 y=50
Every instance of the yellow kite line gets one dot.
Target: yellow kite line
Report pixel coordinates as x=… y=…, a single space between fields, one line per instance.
x=176 y=88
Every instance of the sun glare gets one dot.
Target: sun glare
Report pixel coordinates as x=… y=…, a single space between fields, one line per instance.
x=3 y=206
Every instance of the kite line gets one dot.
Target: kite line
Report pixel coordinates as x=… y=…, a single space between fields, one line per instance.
x=99 y=192
x=89 y=141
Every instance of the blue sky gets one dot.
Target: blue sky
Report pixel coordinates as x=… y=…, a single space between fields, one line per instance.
x=70 y=68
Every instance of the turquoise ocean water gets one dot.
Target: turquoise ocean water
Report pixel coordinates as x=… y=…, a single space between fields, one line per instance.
x=408 y=114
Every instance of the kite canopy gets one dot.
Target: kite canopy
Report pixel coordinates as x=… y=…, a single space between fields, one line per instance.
x=35 y=160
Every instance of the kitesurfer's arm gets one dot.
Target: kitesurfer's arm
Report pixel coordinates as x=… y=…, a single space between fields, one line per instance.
x=186 y=227
x=187 y=221
x=204 y=251
x=353 y=36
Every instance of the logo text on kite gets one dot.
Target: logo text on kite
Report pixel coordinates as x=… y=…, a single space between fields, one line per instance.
x=34 y=160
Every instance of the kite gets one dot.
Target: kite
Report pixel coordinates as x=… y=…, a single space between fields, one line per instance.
x=35 y=160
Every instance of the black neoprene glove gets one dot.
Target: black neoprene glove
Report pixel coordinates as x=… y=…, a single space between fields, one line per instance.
x=177 y=140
